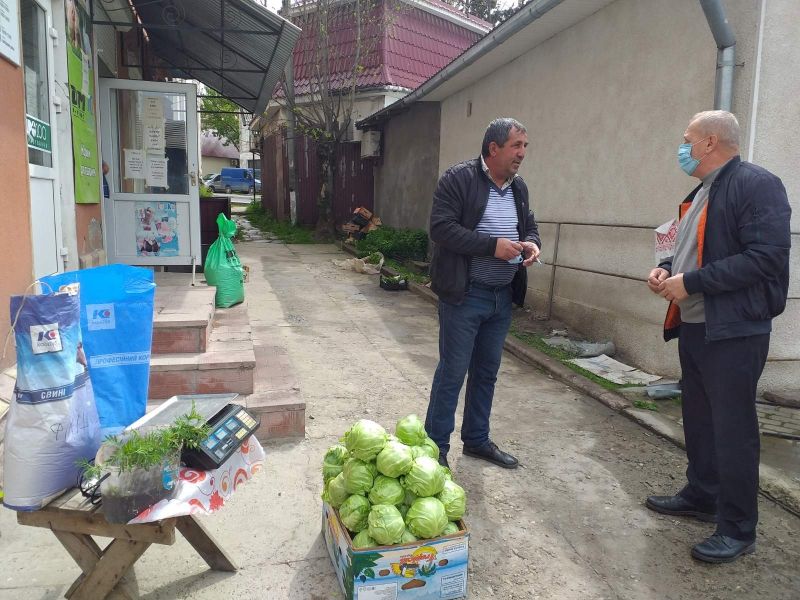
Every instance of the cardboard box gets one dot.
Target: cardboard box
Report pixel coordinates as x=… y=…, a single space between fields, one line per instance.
x=424 y=570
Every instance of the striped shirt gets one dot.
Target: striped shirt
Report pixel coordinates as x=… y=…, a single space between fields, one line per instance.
x=499 y=220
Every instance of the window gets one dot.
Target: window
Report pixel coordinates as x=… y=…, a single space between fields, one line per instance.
x=37 y=93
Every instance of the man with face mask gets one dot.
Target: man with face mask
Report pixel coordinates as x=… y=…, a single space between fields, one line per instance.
x=728 y=278
x=485 y=236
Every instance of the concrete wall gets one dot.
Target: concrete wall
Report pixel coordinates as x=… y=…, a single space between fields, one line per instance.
x=606 y=103
x=406 y=179
x=16 y=254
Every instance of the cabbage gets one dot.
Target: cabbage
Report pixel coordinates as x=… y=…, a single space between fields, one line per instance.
x=448 y=474
x=427 y=448
x=362 y=540
x=386 y=524
x=454 y=499
x=410 y=430
x=451 y=528
x=395 y=459
x=408 y=537
x=358 y=476
x=386 y=490
x=335 y=491
x=425 y=477
x=409 y=497
x=354 y=512
x=333 y=462
x=426 y=518
x=365 y=439
x=403 y=510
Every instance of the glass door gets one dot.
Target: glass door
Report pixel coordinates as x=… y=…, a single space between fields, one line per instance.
x=149 y=141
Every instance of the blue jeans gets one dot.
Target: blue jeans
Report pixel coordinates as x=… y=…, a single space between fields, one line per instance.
x=471 y=336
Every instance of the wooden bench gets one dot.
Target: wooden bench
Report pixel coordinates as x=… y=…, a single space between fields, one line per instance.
x=74 y=520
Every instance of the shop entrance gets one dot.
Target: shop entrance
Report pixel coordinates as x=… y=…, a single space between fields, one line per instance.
x=149 y=141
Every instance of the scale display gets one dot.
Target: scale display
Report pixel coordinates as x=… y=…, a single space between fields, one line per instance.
x=229 y=428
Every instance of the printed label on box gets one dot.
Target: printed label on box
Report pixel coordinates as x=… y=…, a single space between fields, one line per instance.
x=387 y=591
x=454 y=586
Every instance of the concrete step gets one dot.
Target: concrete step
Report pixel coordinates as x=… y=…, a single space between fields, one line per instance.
x=182 y=319
x=227 y=365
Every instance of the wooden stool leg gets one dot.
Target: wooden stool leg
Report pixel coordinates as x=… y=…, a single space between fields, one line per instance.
x=117 y=558
x=205 y=545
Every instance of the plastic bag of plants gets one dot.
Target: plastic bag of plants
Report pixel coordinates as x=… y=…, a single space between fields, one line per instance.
x=394 y=283
x=223 y=269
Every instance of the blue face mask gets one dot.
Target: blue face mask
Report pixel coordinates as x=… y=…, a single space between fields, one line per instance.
x=685 y=160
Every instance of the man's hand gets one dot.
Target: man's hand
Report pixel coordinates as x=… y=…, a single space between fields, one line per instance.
x=673 y=289
x=506 y=249
x=531 y=252
x=656 y=278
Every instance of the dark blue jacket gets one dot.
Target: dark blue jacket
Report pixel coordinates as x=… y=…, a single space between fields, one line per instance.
x=459 y=202
x=743 y=243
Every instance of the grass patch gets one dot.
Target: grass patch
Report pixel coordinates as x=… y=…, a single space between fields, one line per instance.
x=562 y=356
x=283 y=230
x=645 y=404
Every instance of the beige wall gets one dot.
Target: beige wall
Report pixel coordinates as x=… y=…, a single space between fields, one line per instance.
x=606 y=103
x=16 y=255
x=214 y=164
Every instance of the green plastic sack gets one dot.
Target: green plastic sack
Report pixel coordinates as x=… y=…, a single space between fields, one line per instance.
x=223 y=268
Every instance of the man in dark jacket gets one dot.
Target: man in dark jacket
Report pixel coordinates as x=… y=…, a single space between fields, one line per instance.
x=728 y=278
x=485 y=236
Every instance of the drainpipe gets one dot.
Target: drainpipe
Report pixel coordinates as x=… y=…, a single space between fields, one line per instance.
x=726 y=52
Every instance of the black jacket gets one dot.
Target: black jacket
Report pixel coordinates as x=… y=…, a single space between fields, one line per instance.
x=744 y=249
x=458 y=205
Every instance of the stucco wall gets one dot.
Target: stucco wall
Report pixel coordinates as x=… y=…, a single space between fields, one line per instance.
x=606 y=103
x=407 y=176
x=214 y=164
x=16 y=255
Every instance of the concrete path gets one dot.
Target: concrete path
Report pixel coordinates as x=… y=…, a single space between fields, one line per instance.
x=569 y=524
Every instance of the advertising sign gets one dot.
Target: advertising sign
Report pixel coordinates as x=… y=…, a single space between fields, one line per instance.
x=80 y=71
x=9 y=30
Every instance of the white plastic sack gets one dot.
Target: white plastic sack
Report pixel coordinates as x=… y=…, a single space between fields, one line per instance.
x=52 y=421
x=359 y=265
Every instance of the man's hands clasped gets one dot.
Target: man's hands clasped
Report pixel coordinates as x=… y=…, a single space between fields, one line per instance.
x=507 y=249
x=668 y=287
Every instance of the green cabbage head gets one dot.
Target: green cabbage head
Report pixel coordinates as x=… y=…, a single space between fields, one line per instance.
x=386 y=490
x=451 y=528
x=333 y=462
x=354 y=512
x=426 y=518
x=362 y=540
x=358 y=476
x=385 y=524
x=408 y=537
x=454 y=499
x=395 y=459
x=425 y=477
x=335 y=491
x=410 y=430
x=427 y=448
x=365 y=439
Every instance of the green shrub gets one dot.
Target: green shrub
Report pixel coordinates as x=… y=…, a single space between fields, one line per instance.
x=400 y=244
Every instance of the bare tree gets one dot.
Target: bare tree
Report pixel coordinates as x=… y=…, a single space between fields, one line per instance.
x=337 y=45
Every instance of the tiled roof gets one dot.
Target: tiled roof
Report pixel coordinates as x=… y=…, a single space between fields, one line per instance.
x=405 y=48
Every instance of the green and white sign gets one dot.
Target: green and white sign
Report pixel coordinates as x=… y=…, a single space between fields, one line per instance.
x=80 y=73
x=39 y=137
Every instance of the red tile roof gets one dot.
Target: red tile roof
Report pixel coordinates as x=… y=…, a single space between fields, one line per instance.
x=405 y=46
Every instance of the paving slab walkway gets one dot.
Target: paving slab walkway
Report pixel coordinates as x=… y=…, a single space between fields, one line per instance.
x=569 y=524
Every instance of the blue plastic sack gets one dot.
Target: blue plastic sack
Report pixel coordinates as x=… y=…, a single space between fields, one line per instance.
x=117 y=324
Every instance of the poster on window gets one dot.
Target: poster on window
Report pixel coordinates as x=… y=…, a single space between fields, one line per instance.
x=80 y=74
x=156 y=229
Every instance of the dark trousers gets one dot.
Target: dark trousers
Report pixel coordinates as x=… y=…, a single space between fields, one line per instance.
x=721 y=426
x=471 y=336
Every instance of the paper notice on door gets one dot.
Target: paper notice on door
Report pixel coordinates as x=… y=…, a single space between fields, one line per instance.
x=153 y=108
x=157 y=171
x=153 y=134
x=134 y=163
x=666 y=236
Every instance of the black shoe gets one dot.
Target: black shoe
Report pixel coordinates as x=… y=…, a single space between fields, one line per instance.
x=493 y=454
x=680 y=507
x=443 y=461
x=722 y=549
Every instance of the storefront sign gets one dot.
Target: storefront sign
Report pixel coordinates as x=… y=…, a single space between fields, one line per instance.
x=38 y=134
x=9 y=30
x=80 y=71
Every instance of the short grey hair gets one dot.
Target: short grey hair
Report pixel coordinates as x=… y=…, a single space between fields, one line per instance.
x=721 y=123
x=498 y=131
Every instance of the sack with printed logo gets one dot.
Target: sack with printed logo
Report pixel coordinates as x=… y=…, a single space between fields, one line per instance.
x=116 y=315
x=52 y=420
x=222 y=268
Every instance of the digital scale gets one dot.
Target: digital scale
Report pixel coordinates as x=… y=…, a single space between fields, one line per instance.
x=230 y=426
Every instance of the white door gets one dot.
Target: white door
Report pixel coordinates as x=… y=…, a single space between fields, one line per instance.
x=149 y=141
x=37 y=60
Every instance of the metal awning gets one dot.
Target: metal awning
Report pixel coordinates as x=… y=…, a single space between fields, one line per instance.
x=237 y=47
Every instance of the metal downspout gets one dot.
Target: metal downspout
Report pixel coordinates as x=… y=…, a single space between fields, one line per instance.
x=726 y=52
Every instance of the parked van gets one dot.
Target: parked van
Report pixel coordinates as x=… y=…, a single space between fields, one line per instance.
x=233 y=179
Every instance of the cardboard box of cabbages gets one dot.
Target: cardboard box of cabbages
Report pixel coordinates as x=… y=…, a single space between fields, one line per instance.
x=421 y=570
